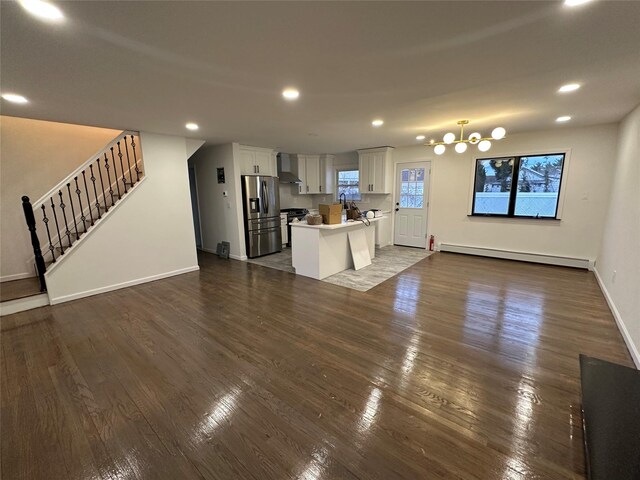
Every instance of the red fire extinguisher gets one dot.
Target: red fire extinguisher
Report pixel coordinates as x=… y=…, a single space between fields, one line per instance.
x=431 y=242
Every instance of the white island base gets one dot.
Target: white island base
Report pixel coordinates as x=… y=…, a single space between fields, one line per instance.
x=319 y=251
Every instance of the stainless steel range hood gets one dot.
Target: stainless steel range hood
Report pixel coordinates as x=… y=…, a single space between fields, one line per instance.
x=284 y=170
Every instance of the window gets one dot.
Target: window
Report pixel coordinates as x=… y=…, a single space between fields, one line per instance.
x=348 y=183
x=533 y=195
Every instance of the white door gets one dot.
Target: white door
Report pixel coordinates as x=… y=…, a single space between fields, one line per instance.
x=411 y=206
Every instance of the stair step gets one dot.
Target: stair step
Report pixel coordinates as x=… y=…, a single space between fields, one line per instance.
x=22 y=288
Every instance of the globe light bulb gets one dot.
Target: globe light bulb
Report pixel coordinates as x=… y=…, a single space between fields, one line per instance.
x=484 y=145
x=498 y=133
x=461 y=147
x=449 y=138
x=474 y=138
x=439 y=149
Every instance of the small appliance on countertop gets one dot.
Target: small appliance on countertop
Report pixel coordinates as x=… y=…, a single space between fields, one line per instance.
x=376 y=213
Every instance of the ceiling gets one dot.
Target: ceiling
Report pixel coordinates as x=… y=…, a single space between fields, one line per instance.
x=420 y=66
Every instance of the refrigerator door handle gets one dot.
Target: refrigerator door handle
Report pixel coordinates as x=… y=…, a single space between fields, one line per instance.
x=265 y=193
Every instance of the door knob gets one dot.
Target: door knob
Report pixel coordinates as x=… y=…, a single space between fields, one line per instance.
x=397 y=209
x=397 y=204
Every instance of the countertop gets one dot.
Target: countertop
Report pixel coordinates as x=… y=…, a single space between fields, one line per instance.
x=335 y=226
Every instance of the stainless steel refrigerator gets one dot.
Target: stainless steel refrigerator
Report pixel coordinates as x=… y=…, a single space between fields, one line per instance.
x=261 y=201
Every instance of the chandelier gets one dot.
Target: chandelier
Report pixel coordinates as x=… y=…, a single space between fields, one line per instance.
x=484 y=143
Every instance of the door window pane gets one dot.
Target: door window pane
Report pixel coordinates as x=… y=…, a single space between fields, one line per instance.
x=412 y=187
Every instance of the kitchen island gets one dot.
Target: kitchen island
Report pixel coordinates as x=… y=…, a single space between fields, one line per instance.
x=319 y=251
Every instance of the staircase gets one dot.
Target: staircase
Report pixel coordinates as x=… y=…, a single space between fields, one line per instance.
x=70 y=210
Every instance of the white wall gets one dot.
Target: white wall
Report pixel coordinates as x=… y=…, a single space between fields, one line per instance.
x=146 y=236
x=620 y=250
x=586 y=187
x=35 y=156
x=220 y=217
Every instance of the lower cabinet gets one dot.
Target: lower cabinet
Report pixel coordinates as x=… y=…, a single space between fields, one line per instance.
x=283 y=228
x=384 y=234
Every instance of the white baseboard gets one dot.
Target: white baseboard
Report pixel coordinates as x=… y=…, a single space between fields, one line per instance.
x=513 y=255
x=22 y=304
x=17 y=276
x=633 y=350
x=117 y=286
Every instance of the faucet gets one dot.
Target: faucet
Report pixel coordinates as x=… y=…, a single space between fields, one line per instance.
x=344 y=202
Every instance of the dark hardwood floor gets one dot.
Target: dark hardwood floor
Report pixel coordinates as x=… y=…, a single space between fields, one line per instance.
x=458 y=368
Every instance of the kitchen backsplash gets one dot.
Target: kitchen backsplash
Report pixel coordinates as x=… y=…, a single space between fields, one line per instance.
x=380 y=202
x=288 y=199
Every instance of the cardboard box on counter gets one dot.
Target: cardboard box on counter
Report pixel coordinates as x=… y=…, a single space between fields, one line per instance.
x=331 y=214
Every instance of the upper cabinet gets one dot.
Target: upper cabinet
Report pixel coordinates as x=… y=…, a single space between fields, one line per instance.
x=257 y=161
x=376 y=170
x=315 y=171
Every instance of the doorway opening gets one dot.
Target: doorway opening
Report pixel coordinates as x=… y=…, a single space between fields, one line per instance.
x=195 y=210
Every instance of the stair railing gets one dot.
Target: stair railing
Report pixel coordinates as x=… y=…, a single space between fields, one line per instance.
x=73 y=206
x=35 y=241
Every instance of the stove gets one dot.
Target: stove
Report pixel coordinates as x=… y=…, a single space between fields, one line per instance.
x=299 y=213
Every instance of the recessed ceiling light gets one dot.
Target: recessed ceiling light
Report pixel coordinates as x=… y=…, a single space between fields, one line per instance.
x=290 y=93
x=192 y=126
x=575 y=3
x=564 y=118
x=14 y=98
x=377 y=122
x=43 y=10
x=420 y=137
x=570 y=87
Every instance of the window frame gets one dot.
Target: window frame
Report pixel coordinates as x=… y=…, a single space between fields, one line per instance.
x=513 y=193
x=347 y=169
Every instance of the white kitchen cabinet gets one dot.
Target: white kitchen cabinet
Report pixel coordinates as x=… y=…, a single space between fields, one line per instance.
x=315 y=171
x=283 y=228
x=257 y=161
x=376 y=170
x=312 y=170
x=383 y=231
x=327 y=174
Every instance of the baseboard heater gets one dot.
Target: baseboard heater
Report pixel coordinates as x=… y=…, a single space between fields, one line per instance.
x=521 y=256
